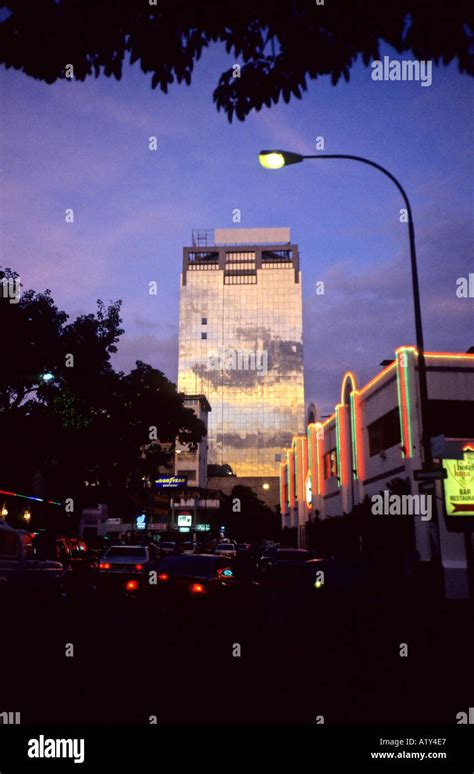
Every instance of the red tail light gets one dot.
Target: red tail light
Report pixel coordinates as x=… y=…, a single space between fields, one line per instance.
x=131 y=585
x=104 y=566
x=163 y=576
x=197 y=588
x=139 y=567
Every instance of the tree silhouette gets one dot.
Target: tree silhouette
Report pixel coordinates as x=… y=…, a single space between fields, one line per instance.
x=281 y=45
x=252 y=520
x=89 y=422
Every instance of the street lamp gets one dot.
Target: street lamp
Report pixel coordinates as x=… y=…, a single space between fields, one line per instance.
x=27 y=516
x=47 y=377
x=276 y=159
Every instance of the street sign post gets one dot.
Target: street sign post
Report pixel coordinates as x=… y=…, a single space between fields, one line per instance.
x=426 y=487
x=429 y=475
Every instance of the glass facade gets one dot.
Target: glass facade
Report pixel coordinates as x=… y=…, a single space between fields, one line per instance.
x=247 y=300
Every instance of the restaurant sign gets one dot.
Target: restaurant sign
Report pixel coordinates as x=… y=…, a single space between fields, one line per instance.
x=459 y=484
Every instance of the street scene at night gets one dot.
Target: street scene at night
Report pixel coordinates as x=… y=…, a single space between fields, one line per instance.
x=237 y=385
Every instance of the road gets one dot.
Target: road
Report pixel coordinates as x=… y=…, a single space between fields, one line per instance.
x=130 y=662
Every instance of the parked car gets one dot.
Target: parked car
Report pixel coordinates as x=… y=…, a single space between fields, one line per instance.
x=167 y=548
x=126 y=568
x=283 y=556
x=195 y=576
x=226 y=549
x=22 y=568
x=243 y=547
x=80 y=573
x=322 y=583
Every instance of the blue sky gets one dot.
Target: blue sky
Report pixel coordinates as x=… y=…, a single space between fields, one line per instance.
x=85 y=146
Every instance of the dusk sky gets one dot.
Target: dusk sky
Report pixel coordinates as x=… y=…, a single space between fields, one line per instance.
x=85 y=146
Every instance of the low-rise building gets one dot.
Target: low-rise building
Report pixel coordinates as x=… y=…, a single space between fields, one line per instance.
x=192 y=463
x=373 y=439
x=191 y=503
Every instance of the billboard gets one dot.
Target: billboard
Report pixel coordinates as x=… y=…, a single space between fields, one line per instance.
x=185 y=520
x=459 y=484
x=171 y=482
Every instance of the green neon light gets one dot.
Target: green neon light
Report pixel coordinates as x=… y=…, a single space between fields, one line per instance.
x=408 y=408
x=407 y=442
x=338 y=448
x=354 y=438
x=400 y=407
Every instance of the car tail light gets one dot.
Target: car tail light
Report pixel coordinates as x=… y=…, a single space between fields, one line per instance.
x=163 y=576
x=104 y=566
x=139 y=567
x=197 y=588
x=131 y=585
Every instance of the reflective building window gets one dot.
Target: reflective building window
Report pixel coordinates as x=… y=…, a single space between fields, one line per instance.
x=249 y=362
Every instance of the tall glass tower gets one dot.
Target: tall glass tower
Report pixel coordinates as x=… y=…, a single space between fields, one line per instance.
x=240 y=343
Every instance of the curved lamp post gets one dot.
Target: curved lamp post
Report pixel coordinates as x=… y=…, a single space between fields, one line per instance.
x=276 y=159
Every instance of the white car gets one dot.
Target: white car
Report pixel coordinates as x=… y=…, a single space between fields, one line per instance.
x=126 y=559
x=226 y=549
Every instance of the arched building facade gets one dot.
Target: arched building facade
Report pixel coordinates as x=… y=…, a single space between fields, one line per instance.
x=373 y=436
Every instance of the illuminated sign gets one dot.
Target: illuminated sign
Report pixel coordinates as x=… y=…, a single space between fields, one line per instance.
x=140 y=522
x=171 y=482
x=185 y=520
x=308 y=491
x=459 y=485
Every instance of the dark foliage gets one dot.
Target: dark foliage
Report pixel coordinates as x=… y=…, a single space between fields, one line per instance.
x=89 y=427
x=246 y=517
x=280 y=45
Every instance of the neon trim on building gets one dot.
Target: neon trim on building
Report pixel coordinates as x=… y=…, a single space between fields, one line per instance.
x=300 y=450
x=357 y=439
x=404 y=403
x=320 y=454
x=290 y=469
x=341 y=445
x=313 y=462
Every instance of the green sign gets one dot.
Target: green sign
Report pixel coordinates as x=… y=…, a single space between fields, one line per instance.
x=459 y=484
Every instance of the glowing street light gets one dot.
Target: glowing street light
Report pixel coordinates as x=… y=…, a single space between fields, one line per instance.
x=47 y=377
x=4 y=511
x=27 y=516
x=276 y=159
